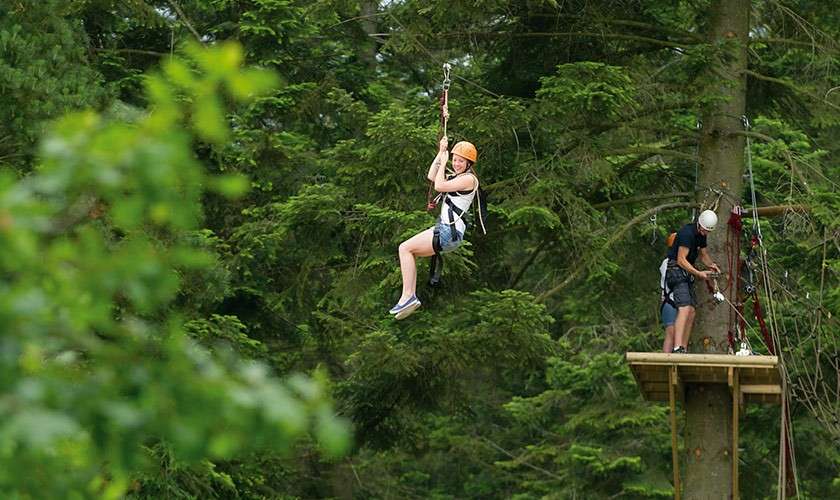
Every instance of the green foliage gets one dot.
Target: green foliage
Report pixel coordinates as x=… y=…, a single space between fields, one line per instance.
x=588 y=90
x=227 y=329
x=613 y=439
x=43 y=74
x=95 y=363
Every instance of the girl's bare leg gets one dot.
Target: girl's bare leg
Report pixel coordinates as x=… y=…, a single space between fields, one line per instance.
x=689 y=325
x=668 y=344
x=419 y=245
x=682 y=328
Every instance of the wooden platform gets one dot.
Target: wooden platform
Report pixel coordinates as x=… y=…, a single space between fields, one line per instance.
x=662 y=377
x=760 y=381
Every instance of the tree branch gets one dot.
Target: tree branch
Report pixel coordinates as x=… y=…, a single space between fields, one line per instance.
x=626 y=22
x=634 y=199
x=791 y=86
x=131 y=51
x=775 y=210
x=655 y=151
x=590 y=34
x=520 y=460
x=581 y=266
x=790 y=41
x=531 y=258
x=753 y=135
x=185 y=20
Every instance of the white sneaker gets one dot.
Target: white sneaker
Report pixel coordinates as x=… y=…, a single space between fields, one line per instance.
x=399 y=307
x=401 y=311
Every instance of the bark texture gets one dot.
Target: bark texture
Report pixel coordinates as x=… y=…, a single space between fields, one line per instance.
x=708 y=408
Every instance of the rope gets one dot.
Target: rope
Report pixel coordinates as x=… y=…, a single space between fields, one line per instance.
x=444 y=111
x=431 y=199
x=699 y=127
x=756 y=226
x=787 y=463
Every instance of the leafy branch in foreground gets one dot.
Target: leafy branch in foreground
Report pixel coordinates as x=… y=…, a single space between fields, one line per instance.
x=95 y=361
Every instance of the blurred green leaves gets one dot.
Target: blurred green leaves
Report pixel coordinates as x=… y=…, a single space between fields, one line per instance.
x=95 y=362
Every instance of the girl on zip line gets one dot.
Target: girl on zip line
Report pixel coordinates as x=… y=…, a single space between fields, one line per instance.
x=456 y=193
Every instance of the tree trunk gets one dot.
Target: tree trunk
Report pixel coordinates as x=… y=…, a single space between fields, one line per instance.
x=708 y=407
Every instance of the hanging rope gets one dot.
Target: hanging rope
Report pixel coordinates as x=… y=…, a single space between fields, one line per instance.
x=787 y=480
x=431 y=199
x=756 y=226
x=444 y=106
x=699 y=127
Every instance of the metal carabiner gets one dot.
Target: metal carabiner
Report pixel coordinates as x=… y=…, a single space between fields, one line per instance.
x=446 y=81
x=654 y=231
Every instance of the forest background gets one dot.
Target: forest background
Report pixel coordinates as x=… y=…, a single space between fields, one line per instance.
x=201 y=200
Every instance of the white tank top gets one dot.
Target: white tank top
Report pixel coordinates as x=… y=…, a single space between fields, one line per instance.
x=455 y=202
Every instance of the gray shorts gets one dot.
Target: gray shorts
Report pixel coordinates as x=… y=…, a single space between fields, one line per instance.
x=681 y=285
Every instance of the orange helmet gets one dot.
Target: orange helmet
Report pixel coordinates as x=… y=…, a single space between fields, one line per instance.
x=670 y=239
x=466 y=150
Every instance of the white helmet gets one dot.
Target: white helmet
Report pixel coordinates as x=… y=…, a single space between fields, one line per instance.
x=707 y=220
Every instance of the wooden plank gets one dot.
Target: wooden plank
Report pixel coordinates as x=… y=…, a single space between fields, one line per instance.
x=761 y=389
x=661 y=394
x=703 y=359
x=657 y=396
x=654 y=386
x=771 y=399
x=675 y=458
x=736 y=405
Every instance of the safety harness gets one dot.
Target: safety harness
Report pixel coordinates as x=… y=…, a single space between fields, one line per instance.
x=456 y=214
x=666 y=291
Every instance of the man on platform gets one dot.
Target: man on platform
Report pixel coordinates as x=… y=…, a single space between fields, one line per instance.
x=690 y=244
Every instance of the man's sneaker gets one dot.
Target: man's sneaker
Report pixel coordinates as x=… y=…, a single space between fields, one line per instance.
x=678 y=350
x=403 y=310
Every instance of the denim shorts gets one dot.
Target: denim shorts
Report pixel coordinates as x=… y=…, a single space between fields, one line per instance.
x=449 y=238
x=668 y=314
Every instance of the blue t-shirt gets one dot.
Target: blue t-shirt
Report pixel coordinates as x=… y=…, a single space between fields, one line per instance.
x=688 y=236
